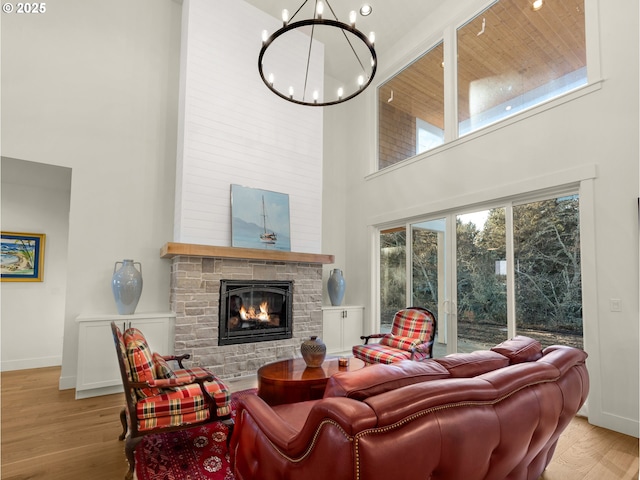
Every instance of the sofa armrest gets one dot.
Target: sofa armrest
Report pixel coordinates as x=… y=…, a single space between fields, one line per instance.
x=351 y=416
x=292 y=435
x=563 y=357
x=276 y=430
x=314 y=439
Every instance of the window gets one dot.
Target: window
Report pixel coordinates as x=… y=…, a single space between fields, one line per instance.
x=482 y=291
x=427 y=136
x=510 y=57
x=427 y=263
x=411 y=110
x=489 y=274
x=393 y=277
x=548 y=281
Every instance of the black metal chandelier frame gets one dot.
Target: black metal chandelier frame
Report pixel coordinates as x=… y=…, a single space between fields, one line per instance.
x=313 y=22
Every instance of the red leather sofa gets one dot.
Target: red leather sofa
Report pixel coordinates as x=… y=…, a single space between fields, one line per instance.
x=494 y=414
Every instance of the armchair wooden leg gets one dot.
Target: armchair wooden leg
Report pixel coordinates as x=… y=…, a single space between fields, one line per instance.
x=123 y=421
x=129 y=450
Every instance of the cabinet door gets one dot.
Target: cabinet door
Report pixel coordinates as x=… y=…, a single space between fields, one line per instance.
x=98 y=372
x=332 y=330
x=352 y=328
x=97 y=362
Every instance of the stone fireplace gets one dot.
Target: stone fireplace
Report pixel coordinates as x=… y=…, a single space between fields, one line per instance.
x=197 y=274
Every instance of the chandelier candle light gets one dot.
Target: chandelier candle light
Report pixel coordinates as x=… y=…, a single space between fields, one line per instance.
x=333 y=34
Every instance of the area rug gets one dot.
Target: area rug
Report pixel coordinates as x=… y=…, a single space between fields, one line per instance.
x=198 y=453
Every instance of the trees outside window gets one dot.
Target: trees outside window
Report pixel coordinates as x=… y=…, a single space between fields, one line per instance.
x=482 y=292
x=548 y=278
x=393 y=277
x=547 y=286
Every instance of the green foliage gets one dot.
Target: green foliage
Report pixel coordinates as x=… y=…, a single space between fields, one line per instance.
x=27 y=252
x=425 y=269
x=393 y=276
x=548 y=279
x=481 y=293
x=547 y=268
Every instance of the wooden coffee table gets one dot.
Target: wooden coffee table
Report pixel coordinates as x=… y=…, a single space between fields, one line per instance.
x=290 y=381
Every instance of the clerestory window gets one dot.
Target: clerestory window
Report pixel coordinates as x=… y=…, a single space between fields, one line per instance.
x=411 y=109
x=512 y=56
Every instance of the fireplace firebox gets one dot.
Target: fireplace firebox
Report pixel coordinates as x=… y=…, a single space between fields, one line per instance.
x=255 y=311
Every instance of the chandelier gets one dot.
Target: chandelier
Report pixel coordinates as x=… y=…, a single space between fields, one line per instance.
x=295 y=76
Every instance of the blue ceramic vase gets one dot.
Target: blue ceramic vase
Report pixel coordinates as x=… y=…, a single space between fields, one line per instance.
x=126 y=284
x=336 y=285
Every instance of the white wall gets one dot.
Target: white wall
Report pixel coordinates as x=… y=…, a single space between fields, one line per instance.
x=597 y=132
x=35 y=199
x=233 y=130
x=93 y=86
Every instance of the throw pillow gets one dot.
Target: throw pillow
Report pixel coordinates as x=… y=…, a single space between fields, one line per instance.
x=140 y=360
x=520 y=349
x=163 y=370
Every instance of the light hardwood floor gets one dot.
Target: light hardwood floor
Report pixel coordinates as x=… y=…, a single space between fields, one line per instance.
x=48 y=435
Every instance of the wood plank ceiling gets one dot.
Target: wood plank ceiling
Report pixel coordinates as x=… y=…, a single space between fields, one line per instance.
x=507 y=43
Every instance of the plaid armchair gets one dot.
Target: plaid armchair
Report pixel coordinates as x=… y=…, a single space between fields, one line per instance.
x=411 y=338
x=161 y=399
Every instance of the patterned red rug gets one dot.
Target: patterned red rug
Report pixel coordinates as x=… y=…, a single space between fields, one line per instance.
x=196 y=454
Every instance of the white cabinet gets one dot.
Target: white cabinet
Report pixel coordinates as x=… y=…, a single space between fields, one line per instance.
x=342 y=327
x=97 y=370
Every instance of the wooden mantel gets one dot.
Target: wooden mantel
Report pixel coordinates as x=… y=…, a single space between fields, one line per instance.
x=172 y=249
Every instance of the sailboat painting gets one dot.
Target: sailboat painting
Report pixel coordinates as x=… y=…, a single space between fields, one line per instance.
x=259 y=219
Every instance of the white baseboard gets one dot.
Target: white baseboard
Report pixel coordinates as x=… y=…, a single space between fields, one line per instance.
x=28 y=363
x=96 y=392
x=628 y=426
x=67 y=383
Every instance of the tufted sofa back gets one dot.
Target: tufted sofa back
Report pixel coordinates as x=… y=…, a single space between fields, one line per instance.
x=501 y=424
x=489 y=414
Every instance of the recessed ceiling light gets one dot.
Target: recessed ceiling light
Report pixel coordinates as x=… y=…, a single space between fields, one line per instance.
x=365 y=10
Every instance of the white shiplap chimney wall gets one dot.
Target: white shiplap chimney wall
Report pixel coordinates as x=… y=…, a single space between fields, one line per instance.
x=233 y=130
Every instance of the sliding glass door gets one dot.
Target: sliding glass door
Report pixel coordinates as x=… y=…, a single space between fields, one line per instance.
x=428 y=276
x=547 y=275
x=413 y=273
x=393 y=275
x=481 y=279
x=489 y=274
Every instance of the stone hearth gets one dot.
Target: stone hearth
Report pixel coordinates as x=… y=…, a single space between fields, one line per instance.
x=196 y=272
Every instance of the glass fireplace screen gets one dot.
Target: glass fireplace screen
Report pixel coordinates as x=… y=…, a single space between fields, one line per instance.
x=255 y=311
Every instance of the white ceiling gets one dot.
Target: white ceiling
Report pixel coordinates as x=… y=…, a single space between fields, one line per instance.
x=390 y=20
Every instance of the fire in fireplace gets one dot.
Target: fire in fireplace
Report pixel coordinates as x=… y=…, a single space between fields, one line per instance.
x=255 y=311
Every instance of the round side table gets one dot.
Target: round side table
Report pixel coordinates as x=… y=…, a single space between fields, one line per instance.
x=291 y=381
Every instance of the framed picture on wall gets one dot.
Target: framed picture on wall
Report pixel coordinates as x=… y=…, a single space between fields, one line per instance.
x=22 y=258
x=259 y=219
